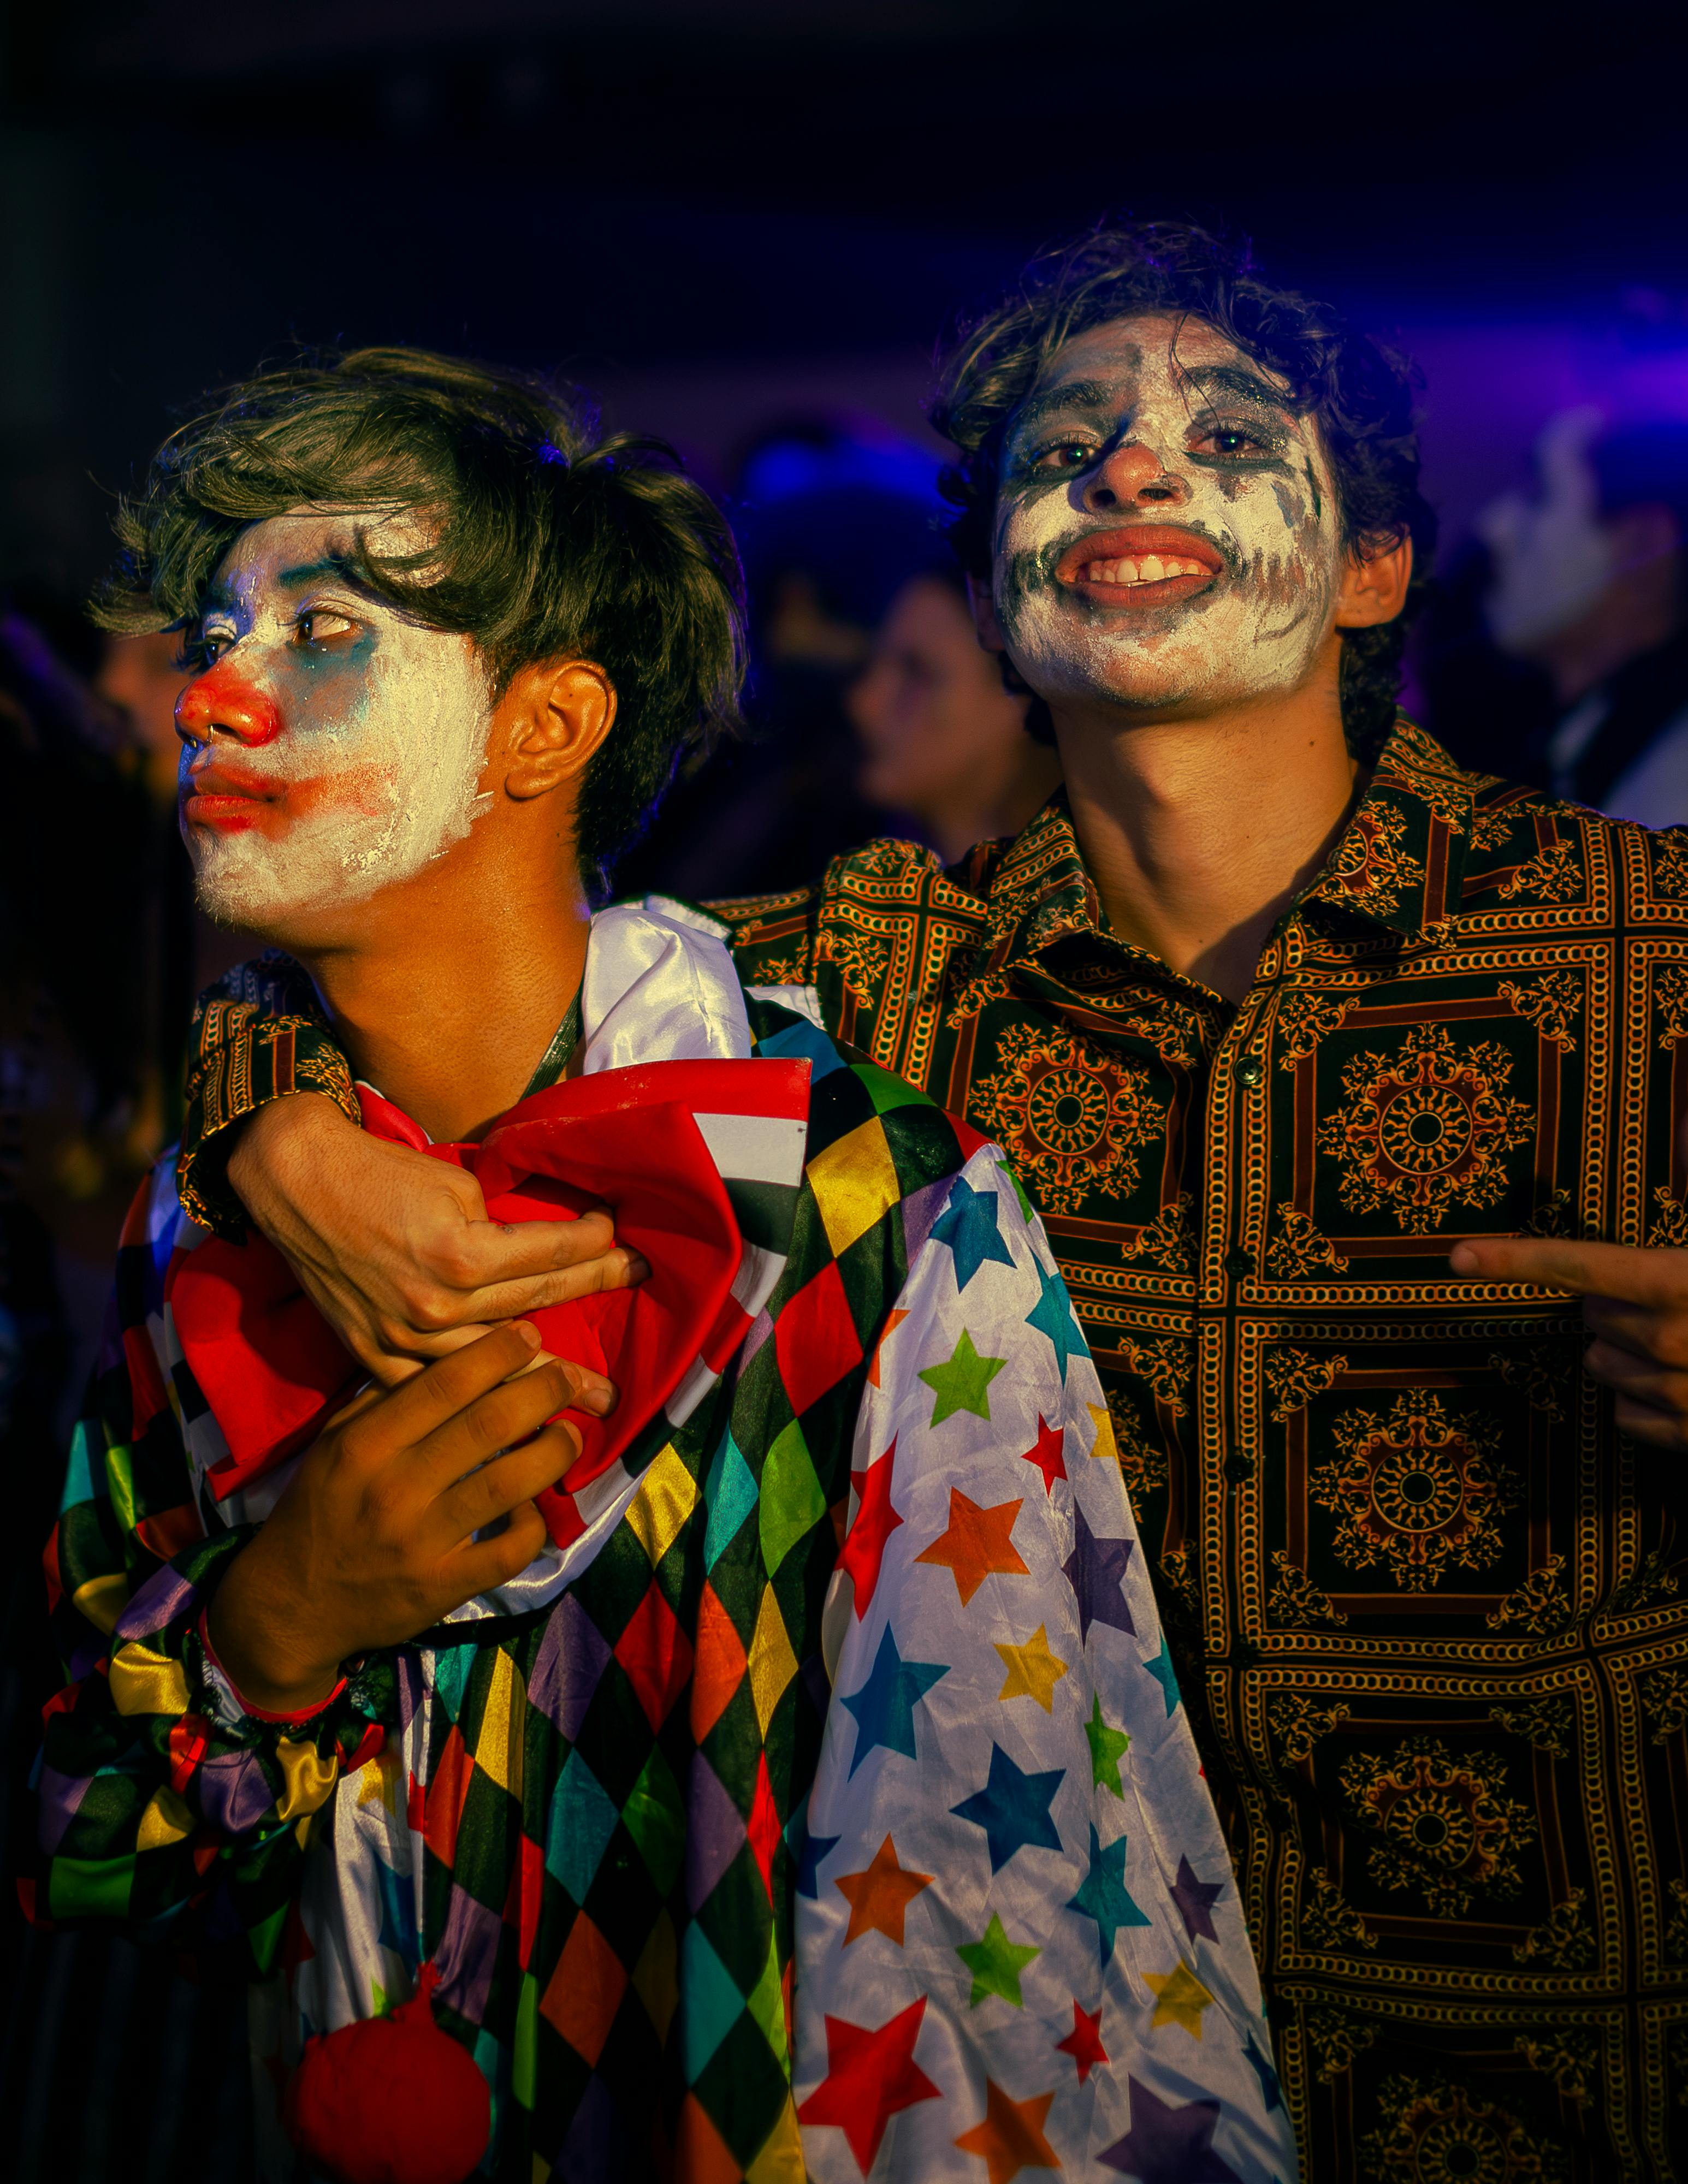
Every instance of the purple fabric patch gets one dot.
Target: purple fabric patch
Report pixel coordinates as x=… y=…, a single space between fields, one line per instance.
x=572 y=1657
x=60 y=1796
x=714 y=1832
x=598 y=2149
x=234 y=1794
x=920 y=1214
x=467 y=1951
x=166 y=1598
x=762 y=1326
x=411 y=1690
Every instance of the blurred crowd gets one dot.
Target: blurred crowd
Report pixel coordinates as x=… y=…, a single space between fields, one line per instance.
x=1553 y=649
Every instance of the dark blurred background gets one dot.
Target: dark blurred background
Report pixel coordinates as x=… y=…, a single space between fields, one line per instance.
x=743 y=223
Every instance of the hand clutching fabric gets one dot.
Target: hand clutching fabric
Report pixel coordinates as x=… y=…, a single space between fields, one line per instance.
x=395 y=1250
x=373 y=1541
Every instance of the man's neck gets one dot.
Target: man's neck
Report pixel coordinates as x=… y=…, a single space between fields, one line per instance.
x=1200 y=833
x=453 y=988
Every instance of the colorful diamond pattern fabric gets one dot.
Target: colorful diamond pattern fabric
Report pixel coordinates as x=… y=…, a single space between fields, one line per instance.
x=700 y=1909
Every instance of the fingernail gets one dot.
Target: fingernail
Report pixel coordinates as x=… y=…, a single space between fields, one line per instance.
x=637 y=1267
x=600 y=1401
x=1462 y=1259
x=530 y=1333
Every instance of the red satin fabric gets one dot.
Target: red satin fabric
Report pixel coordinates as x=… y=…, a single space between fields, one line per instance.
x=272 y=1370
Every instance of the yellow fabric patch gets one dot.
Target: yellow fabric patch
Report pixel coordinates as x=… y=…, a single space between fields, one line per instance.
x=1104 y=1444
x=855 y=1182
x=102 y=1599
x=144 y=1682
x=772 y=1661
x=310 y=1778
x=666 y=1497
x=656 y=1977
x=1033 y=1670
x=166 y=1820
x=781 y=2159
x=499 y=1747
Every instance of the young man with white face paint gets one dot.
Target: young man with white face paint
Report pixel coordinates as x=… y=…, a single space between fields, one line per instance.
x=749 y=1746
x=1340 y=1075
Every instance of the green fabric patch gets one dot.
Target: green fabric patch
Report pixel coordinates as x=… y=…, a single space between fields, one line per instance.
x=90 y=1887
x=766 y=2003
x=792 y=1502
x=731 y=1495
x=888 y=1092
x=655 y=1819
x=710 y=2003
x=524 y=2068
x=119 y=1481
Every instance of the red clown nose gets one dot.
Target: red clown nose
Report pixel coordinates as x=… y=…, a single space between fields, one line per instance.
x=219 y=698
x=390 y=2100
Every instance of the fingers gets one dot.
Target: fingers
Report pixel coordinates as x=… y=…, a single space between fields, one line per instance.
x=1642 y=1423
x=508 y=1481
x=1655 y=1278
x=1640 y=1379
x=410 y=1413
x=618 y=1269
x=477 y=1254
x=499 y=1418
x=1662 y=1337
x=482 y=1564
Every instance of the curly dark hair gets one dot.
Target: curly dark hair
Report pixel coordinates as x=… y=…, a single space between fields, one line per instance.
x=1360 y=391
x=553 y=539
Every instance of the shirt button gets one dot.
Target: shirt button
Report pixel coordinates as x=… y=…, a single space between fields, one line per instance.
x=1251 y=1070
x=1238 y=1263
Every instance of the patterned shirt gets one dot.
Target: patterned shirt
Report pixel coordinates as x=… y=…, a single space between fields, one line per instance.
x=1425 y=1597
x=839 y=1814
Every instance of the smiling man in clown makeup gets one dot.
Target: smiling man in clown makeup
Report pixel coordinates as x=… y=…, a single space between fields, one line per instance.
x=717 y=1723
x=1350 y=1089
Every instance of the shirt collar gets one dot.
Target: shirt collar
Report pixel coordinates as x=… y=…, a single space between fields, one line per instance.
x=1399 y=862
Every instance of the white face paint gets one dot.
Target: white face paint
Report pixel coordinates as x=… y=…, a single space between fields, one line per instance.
x=1167 y=529
x=337 y=747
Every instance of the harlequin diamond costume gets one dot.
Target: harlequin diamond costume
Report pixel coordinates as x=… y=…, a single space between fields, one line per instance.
x=820 y=1796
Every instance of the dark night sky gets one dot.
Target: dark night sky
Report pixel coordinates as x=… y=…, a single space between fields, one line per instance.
x=618 y=185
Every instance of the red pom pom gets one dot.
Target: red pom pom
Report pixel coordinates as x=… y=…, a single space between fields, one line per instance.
x=390 y=2100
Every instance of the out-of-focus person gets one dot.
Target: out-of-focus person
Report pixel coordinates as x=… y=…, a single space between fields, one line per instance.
x=946 y=749
x=833 y=514
x=1589 y=585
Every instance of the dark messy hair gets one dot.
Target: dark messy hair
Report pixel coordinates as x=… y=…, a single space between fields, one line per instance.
x=1360 y=391
x=553 y=539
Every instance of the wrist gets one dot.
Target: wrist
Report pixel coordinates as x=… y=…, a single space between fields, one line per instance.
x=274 y=1138
x=271 y=1673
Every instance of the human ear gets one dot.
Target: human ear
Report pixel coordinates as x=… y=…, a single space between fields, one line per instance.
x=1375 y=586
x=984 y=614
x=551 y=720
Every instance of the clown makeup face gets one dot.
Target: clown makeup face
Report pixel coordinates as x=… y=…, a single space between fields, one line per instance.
x=332 y=747
x=1167 y=530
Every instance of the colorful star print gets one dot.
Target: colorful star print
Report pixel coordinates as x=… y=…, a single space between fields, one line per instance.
x=1096 y=1570
x=880 y=1895
x=1012 y=2136
x=996 y=1963
x=961 y=1382
x=1161 y=1669
x=1052 y=1315
x=977 y=1544
x=1047 y=1454
x=1103 y=1444
x=1013 y=1808
x=1167 y=2144
x=1104 y=1896
x=1193 y=1898
x=1033 y=1670
x=884 y=1706
x=1180 y=1999
x=1083 y=2043
x=967 y=1225
x=1108 y=1748
x=808 y=1862
x=870 y=2076
x=1270 y=2093
x=894 y=1320
x=864 y=1549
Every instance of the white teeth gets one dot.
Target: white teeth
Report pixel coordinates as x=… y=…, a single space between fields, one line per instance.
x=1144 y=569
x=1151 y=569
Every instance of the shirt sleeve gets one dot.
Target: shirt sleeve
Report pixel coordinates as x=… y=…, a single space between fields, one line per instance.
x=258 y=1035
x=157 y=1791
x=1015 y=1901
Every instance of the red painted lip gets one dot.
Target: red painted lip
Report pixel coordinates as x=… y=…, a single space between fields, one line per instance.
x=1140 y=539
x=222 y=796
